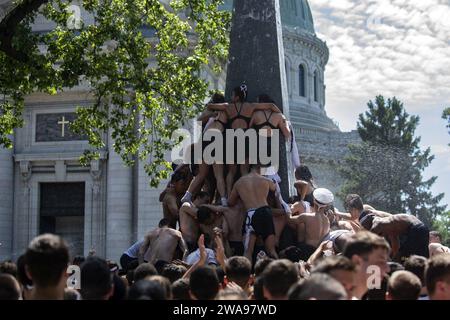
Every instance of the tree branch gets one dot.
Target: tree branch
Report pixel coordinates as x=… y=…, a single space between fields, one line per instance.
x=8 y=27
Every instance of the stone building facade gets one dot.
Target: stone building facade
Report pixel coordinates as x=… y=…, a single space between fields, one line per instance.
x=107 y=206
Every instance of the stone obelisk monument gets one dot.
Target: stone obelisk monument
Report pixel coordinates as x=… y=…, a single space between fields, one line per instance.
x=256 y=57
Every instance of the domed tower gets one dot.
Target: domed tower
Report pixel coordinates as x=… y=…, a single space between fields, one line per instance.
x=306 y=58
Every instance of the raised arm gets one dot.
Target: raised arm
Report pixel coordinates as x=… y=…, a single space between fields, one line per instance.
x=183 y=246
x=343 y=215
x=284 y=127
x=266 y=106
x=172 y=206
x=144 y=247
x=234 y=196
x=189 y=210
x=303 y=187
x=217 y=106
x=205 y=115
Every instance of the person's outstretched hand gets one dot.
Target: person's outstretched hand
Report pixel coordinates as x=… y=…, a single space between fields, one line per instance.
x=202 y=249
x=220 y=250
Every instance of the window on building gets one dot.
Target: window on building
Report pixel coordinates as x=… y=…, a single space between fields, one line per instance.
x=302 y=81
x=316 y=86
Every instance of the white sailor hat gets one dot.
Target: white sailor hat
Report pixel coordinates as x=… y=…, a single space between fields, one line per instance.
x=323 y=196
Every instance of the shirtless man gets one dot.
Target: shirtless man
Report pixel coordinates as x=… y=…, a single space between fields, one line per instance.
x=161 y=244
x=253 y=190
x=171 y=201
x=406 y=234
x=313 y=227
x=208 y=221
x=233 y=220
x=436 y=247
x=354 y=206
x=189 y=226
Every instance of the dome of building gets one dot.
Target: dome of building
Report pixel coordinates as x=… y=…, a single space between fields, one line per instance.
x=297 y=14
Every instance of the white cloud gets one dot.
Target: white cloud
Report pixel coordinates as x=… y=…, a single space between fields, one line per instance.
x=394 y=47
x=390 y=47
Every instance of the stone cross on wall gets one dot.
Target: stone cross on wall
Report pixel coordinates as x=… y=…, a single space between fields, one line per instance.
x=256 y=56
x=63 y=123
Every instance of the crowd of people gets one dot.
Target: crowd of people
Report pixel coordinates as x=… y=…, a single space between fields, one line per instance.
x=228 y=234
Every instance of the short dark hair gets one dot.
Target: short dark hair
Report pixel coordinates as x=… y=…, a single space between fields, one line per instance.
x=42 y=250
x=318 y=286
x=394 y=267
x=204 y=283
x=238 y=269
x=353 y=201
x=22 y=276
x=146 y=290
x=217 y=97
x=438 y=269
x=165 y=283
x=204 y=214
x=279 y=277
x=120 y=289
x=363 y=243
x=130 y=271
x=404 y=285
x=96 y=279
x=163 y=222
x=160 y=265
x=173 y=272
x=9 y=287
x=416 y=264
x=78 y=260
x=144 y=270
x=178 y=176
x=436 y=234
x=9 y=267
x=261 y=265
x=258 y=289
x=291 y=253
x=180 y=289
x=333 y=263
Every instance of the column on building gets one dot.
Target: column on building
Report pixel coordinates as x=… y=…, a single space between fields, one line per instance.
x=6 y=202
x=119 y=210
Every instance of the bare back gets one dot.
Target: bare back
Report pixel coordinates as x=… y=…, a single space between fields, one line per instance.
x=234 y=217
x=312 y=228
x=396 y=224
x=163 y=243
x=253 y=190
x=188 y=224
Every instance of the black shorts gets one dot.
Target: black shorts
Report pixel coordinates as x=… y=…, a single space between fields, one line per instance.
x=415 y=242
x=262 y=222
x=237 y=247
x=125 y=261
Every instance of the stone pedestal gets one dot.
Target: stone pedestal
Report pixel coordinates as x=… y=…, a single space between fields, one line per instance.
x=257 y=58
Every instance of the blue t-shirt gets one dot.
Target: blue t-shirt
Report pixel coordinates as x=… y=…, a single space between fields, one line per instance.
x=133 y=251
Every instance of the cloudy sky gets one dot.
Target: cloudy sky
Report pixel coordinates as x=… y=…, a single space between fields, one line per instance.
x=395 y=48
